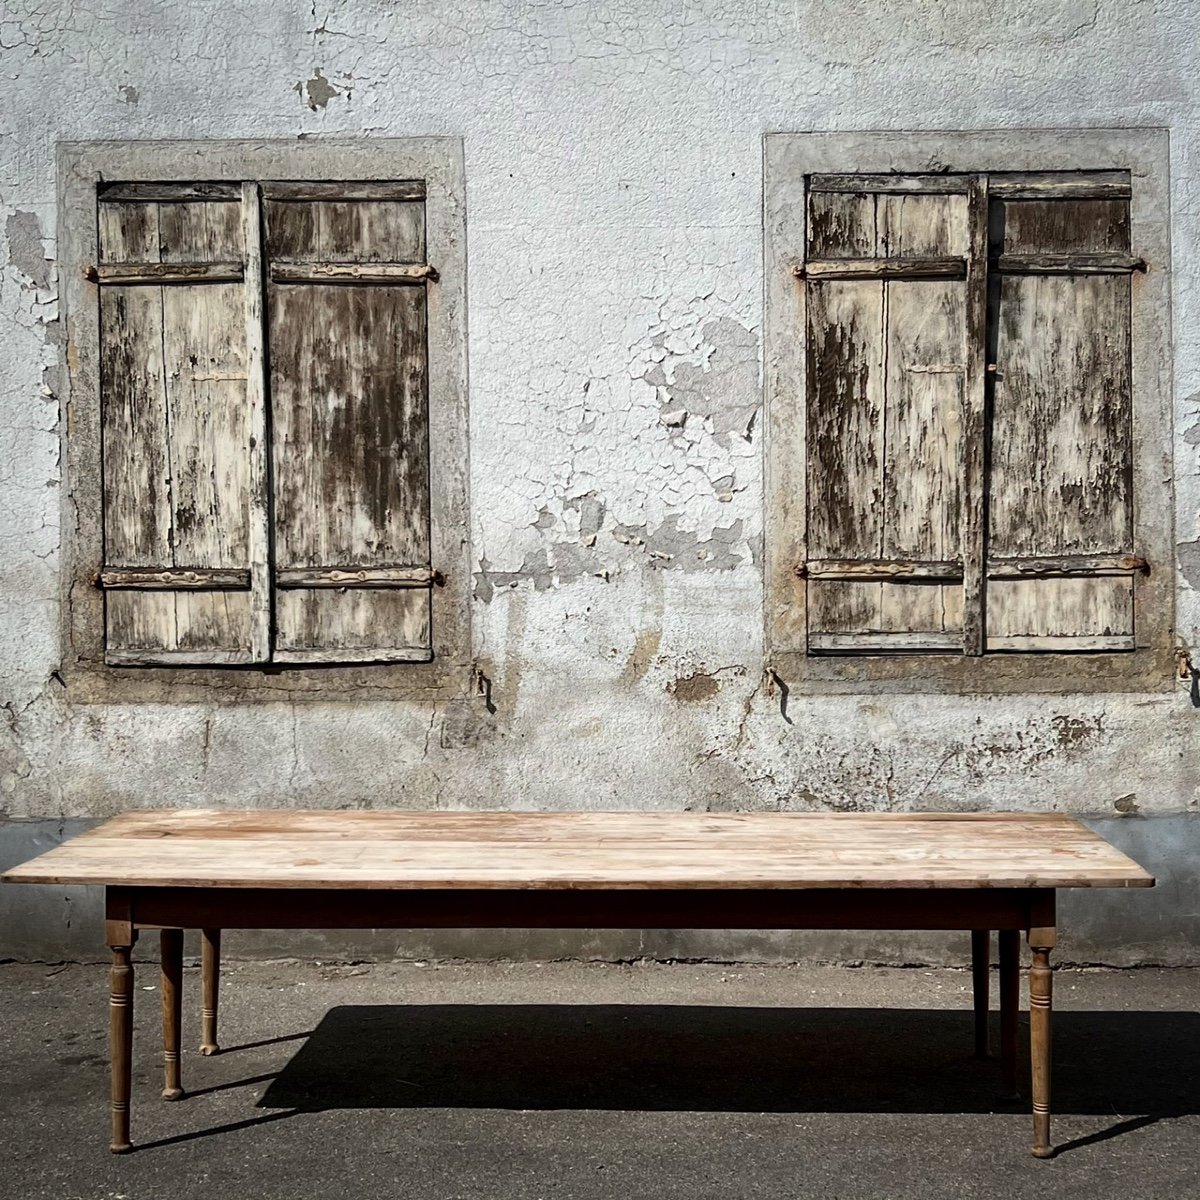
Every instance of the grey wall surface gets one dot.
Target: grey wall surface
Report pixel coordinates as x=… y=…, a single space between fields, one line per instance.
x=614 y=231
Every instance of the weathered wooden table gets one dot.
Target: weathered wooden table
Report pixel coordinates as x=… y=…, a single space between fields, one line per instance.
x=214 y=870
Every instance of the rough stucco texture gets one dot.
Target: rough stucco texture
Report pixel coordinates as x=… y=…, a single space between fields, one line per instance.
x=613 y=158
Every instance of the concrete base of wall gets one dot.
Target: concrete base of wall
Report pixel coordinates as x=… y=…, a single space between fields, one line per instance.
x=1105 y=926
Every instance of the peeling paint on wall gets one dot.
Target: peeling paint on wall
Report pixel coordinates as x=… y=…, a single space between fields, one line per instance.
x=722 y=389
x=25 y=251
x=669 y=548
x=694 y=689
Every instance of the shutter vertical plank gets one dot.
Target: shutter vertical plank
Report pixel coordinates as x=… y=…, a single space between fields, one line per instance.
x=142 y=625
x=1061 y=446
x=204 y=345
x=912 y=225
x=845 y=419
x=128 y=232
x=137 y=474
x=925 y=358
x=841 y=225
x=208 y=231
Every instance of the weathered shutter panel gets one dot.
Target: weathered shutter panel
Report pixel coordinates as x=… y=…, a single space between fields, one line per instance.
x=349 y=400
x=891 y=389
x=1061 y=565
x=183 y=444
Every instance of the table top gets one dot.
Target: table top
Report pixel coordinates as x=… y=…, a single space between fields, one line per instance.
x=293 y=848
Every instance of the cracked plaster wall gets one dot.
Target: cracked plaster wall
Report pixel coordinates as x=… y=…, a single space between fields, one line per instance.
x=613 y=159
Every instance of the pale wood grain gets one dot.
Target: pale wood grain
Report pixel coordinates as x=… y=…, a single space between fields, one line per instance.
x=599 y=850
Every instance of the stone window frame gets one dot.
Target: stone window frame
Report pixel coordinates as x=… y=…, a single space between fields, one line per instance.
x=84 y=165
x=788 y=159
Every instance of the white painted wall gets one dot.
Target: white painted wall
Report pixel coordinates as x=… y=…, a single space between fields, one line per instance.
x=614 y=198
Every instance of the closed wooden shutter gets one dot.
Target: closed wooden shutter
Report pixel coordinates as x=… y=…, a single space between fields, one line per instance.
x=894 y=404
x=1061 y=558
x=346 y=303
x=183 y=446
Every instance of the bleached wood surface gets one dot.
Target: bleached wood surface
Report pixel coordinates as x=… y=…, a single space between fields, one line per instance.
x=359 y=849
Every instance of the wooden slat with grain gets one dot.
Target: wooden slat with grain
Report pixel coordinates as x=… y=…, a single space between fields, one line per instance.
x=883 y=268
x=1062 y=185
x=597 y=850
x=1069 y=264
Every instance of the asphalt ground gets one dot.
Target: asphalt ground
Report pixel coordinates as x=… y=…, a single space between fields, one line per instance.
x=571 y=1081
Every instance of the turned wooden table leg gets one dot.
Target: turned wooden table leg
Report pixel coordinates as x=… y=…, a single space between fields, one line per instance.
x=171 y=952
x=120 y=935
x=120 y=1027
x=1010 y=1004
x=210 y=979
x=1042 y=939
x=980 y=967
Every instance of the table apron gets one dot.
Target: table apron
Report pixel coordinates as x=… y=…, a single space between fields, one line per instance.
x=558 y=908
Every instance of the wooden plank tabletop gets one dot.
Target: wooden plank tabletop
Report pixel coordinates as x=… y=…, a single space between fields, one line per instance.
x=373 y=849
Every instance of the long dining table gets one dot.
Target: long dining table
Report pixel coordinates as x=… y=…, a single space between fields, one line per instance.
x=211 y=870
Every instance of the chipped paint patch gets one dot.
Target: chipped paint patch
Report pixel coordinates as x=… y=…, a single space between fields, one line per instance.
x=25 y=251
x=694 y=689
x=717 y=383
x=129 y=94
x=1077 y=733
x=645 y=647
x=669 y=548
x=317 y=91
